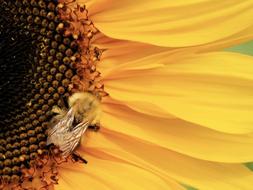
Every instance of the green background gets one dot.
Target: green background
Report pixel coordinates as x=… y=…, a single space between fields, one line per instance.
x=246 y=48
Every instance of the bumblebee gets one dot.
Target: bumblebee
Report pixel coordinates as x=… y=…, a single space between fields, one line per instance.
x=70 y=124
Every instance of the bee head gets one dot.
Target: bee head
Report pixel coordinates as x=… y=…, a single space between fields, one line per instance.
x=86 y=107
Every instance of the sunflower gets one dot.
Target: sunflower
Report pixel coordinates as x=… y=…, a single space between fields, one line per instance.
x=176 y=108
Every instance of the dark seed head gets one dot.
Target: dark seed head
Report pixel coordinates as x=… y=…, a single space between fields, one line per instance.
x=36 y=63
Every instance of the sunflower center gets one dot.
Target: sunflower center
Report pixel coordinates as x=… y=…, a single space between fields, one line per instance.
x=40 y=56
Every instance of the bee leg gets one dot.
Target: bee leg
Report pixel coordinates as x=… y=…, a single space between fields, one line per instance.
x=94 y=127
x=77 y=157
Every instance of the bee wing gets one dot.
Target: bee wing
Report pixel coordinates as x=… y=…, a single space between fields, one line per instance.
x=72 y=138
x=63 y=126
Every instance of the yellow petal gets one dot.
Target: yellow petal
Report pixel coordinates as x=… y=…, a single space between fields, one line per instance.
x=75 y=177
x=117 y=53
x=230 y=41
x=172 y=23
x=107 y=144
x=101 y=174
x=178 y=135
x=214 y=90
